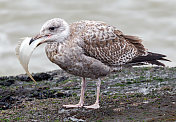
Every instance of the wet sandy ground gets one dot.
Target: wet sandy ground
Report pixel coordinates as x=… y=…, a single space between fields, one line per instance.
x=138 y=94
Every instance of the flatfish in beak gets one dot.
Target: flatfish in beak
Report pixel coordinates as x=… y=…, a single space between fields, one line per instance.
x=24 y=52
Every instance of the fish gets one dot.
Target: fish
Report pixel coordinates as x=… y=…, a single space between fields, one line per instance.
x=24 y=52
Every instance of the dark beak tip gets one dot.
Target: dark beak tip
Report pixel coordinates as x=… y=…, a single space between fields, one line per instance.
x=31 y=41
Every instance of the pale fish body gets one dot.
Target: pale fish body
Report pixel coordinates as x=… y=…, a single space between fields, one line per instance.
x=24 y=52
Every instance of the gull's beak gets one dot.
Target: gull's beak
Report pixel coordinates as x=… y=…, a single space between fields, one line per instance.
x=32 y=39
x=41 y=37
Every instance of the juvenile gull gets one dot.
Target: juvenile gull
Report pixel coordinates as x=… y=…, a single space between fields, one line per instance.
x=92 y=49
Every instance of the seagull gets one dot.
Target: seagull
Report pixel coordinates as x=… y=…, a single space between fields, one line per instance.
x=92 y=49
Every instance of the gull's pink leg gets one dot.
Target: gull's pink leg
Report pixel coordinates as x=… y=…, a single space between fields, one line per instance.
x=81 y=101
x=96 y=104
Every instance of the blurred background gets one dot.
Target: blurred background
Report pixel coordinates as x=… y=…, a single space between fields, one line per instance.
x=152 y=20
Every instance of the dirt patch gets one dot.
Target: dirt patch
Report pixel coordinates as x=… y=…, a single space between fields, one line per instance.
x=138 y=94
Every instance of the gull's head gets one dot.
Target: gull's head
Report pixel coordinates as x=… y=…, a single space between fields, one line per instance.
x=54 y=30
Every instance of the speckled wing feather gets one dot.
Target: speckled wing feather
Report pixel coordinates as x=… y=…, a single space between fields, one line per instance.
x=106 y=43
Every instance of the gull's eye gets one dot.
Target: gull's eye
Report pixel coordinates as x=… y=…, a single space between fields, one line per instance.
x=51 y=28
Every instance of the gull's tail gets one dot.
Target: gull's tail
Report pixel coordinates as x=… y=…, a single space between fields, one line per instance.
x=151 y=58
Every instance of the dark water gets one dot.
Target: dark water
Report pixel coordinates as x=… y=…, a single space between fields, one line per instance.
x=152 y=20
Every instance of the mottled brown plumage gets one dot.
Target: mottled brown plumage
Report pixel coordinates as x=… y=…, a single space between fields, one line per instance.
x=92 y=49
